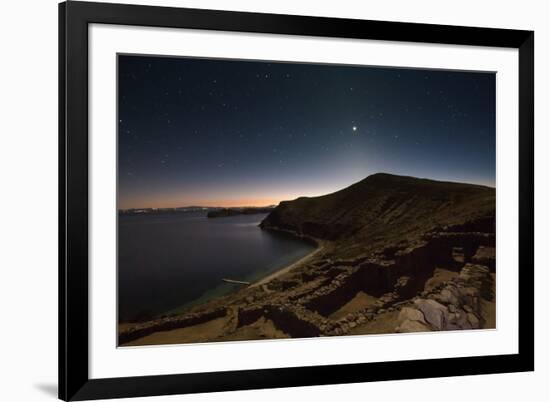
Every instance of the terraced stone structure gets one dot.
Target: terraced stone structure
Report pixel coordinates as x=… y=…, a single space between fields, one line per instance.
x=397 y=254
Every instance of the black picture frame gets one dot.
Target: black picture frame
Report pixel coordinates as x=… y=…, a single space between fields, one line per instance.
x=74 y=381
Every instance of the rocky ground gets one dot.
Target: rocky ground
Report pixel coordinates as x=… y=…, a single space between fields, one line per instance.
x=433 y=270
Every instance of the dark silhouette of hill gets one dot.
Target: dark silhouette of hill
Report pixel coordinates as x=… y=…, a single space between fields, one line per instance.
x=384 y=207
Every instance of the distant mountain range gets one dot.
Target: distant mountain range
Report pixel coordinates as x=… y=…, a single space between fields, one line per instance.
x=211 y=211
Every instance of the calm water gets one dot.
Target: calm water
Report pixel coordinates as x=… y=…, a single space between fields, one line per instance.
x=167 y=261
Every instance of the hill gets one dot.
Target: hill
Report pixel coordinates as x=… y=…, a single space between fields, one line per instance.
x=385 y=208
x=395 y=254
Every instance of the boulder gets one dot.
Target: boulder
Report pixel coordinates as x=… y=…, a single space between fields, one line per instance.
x=434 y=312
x=412 y=314
x=447 y=297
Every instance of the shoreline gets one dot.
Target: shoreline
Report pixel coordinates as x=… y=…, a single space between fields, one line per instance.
x=287 y=268
x=319 y=246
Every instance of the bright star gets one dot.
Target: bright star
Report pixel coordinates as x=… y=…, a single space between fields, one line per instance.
x=354 y=128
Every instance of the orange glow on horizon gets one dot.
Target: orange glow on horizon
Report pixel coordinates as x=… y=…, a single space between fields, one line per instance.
x=227 y=203
x=249 y=200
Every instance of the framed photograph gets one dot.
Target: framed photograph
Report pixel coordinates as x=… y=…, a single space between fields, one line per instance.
x=256 y=201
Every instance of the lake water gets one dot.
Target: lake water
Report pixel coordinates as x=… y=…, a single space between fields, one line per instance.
x=168 y=261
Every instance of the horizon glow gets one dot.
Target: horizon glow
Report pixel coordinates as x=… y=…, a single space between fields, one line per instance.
x=244 y=133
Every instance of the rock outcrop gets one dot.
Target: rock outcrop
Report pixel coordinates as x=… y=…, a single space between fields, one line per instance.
x=451 y=306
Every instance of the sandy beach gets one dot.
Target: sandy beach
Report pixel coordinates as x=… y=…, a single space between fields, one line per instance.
x=288 y=268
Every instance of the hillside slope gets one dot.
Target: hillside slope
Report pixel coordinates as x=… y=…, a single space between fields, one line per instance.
x=385 y=207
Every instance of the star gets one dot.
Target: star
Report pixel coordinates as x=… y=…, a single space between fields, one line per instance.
x=354 y=128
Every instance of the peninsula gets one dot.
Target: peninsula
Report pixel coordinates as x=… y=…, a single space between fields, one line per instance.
x=223 y=212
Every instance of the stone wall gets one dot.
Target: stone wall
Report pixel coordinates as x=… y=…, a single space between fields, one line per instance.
x=169 y=323
x=404 y=275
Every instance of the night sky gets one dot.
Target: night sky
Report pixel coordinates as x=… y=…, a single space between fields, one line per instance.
x=233 y=133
